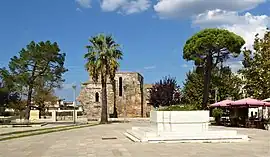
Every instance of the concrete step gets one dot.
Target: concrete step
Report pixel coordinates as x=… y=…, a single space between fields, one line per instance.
x=148 y=134
x=131 y=137
x=145 y=132
x=207 y=133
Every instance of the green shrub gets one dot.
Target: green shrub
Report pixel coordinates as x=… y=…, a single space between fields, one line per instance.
x=179 y=108
x=217 y=112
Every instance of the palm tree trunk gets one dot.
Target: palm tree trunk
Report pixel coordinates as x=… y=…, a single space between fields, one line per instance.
x=104 y=111
x=207 y=77
x=114 y=99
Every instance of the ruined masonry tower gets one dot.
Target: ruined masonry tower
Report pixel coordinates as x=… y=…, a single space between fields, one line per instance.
x=129 y=96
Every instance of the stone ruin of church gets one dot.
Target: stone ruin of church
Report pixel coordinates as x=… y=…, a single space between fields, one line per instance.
x=131 y=96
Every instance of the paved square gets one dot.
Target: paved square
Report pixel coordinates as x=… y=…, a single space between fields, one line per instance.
x=87 y=142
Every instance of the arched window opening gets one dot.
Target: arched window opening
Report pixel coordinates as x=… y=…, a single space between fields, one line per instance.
x=97 y=97
x=120 y=86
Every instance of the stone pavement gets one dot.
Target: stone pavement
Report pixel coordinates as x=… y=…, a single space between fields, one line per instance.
x=13 y=129
x=87 y=142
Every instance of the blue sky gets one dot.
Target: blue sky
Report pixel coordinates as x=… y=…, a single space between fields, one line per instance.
x=151 y=33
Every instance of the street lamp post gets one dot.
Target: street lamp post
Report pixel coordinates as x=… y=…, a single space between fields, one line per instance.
x=74 y=94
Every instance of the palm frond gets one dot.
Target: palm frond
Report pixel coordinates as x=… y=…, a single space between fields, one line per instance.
x=102 y=56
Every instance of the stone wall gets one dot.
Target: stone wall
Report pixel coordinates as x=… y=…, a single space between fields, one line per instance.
x=149 y=107
x=132 y=99
x=87 y=100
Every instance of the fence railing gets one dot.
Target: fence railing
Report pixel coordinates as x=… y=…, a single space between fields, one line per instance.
x=63 y=115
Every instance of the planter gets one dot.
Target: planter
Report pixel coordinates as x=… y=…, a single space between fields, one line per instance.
x=180 y=121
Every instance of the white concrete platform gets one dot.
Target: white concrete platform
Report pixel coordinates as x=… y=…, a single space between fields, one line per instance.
x=181 y=126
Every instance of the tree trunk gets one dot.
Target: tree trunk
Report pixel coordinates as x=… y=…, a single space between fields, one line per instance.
x=28 y=104
x=41 y=109
x=40 y=112
x=115 y=115
x=104 y=111
x=207 y=78
x=217 y=119
x=30 y=91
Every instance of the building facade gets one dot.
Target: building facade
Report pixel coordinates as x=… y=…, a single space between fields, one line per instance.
x=130 y=99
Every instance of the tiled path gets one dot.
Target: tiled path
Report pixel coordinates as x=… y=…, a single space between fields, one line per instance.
x=88 y=142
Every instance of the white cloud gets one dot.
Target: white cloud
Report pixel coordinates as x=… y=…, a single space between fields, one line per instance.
x=248 y=32
x=184 y=65
x=182 y=8
x=78 y=9
x=247 y=25
x=111 y=5
x=221 y=17
x=125 y=6
x=217 y=17
x=234 y=65
x=219 y=13
x=150 y=67
x=84 y=3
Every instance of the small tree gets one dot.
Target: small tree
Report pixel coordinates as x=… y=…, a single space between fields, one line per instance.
x=8 y=95
x=256 y=69
x=193 y=89
x=222 y=79
x=165 y=92
x=42 y=97
x=19 y=106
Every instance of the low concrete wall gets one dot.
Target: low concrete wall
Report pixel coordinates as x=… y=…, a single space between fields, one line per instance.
x=55 y=118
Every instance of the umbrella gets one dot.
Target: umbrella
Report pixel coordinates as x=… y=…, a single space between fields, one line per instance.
x=249 y=102
x=223 y=103
x=267 y=100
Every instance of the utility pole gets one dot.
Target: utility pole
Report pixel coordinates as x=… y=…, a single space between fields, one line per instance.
x=74 y=94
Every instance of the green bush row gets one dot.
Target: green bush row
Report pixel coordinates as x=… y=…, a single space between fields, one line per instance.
x=179 y=108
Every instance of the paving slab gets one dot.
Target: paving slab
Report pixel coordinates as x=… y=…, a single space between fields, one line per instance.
x=88 y=142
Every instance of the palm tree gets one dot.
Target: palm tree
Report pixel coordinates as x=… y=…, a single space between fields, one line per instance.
x=102 y=58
